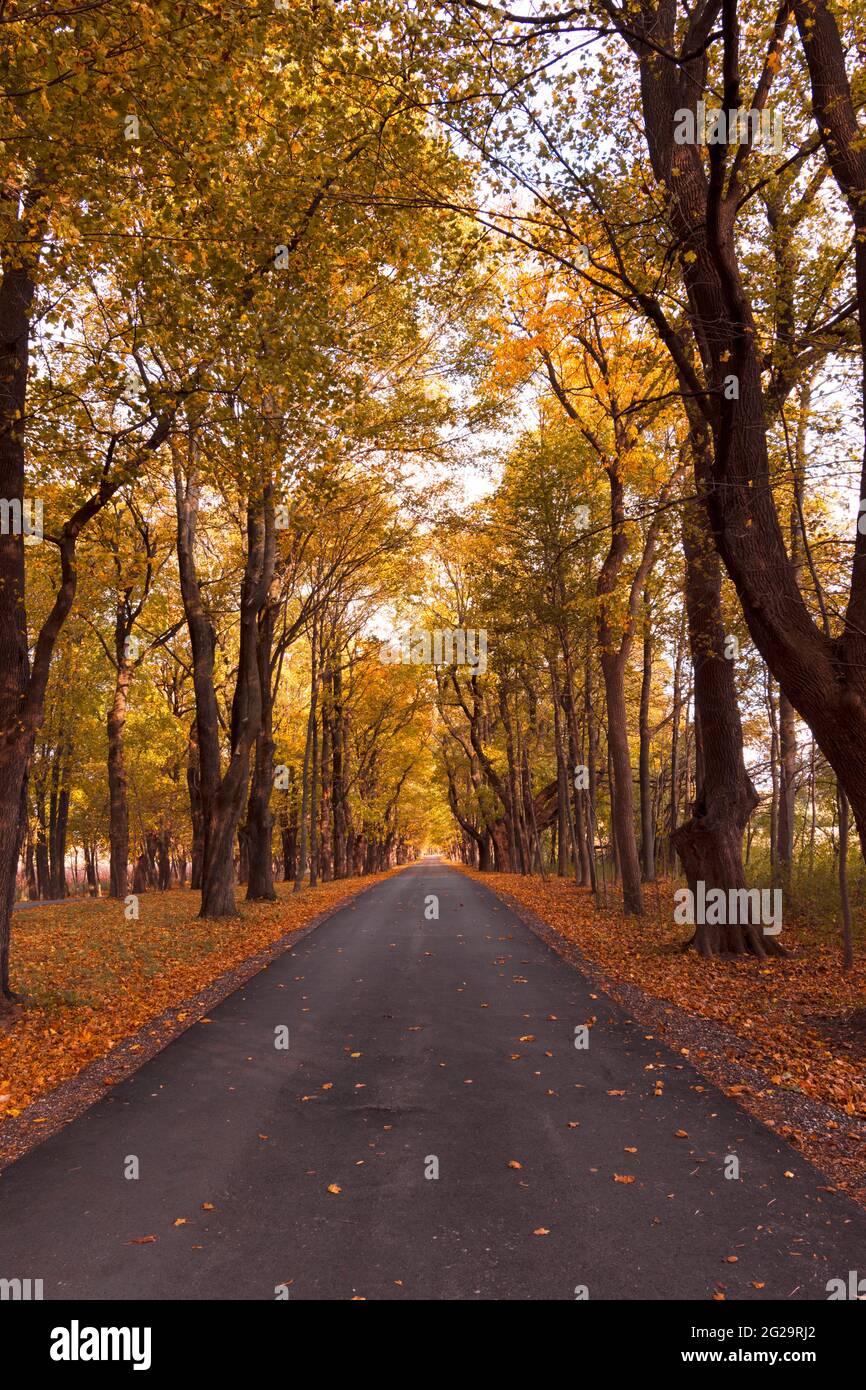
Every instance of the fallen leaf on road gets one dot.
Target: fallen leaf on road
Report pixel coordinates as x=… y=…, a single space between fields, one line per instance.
x=542 y=1231
x=334 y=1187
x=142 y=1240
x=623 y=1177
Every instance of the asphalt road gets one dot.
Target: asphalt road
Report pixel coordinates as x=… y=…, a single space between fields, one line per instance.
x=413 y=1040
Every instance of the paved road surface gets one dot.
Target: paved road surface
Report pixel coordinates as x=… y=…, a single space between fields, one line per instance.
x=450 y=1040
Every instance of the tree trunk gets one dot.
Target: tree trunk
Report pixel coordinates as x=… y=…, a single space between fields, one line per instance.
x=193 y=781
x=260 y=821
x=57 y=822
x=645 y=778
x=710 y=842
x=305 y=774
x=118 y=802
x=222 y=797
x=824 y=677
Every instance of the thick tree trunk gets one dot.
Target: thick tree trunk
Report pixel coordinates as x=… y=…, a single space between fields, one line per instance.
x=223 y=796
x=17 y=288
x=221 y=819
x=710 y=842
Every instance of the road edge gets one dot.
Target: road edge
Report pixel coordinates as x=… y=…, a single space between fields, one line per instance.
x=51 y=1112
